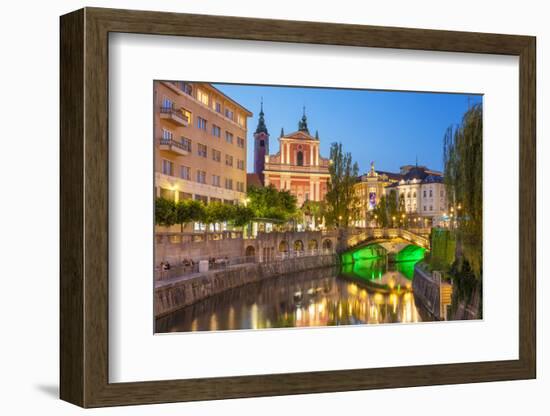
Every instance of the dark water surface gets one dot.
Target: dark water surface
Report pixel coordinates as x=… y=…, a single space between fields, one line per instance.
x=368 y=292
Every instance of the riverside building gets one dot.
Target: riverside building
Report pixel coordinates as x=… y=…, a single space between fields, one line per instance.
x=200 y=143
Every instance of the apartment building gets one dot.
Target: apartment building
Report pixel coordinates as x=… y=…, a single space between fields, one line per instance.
x=200 y=143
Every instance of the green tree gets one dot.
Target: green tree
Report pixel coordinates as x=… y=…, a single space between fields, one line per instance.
x=380 y=212
x=392 y=208
x=268 y=202
x=242 y=215
x=313 y=210
x=401 y=212
x=217 y=212
x=342 y=201
x=463 y=176
x=187 y=211
x=165 y=212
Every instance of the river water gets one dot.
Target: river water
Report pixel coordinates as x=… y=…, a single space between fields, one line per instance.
x=366 y=292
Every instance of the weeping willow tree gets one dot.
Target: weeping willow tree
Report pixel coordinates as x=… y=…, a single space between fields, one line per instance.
x=341 y=200
x=463 y=162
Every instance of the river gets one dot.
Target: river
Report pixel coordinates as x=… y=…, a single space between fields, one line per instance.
x=366 y=292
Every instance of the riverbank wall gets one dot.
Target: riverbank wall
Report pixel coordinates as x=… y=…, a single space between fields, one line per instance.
x=178 y=293
x=433 y=294
x=437 y=296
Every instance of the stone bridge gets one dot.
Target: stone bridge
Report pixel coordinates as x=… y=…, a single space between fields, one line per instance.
x=382 y=235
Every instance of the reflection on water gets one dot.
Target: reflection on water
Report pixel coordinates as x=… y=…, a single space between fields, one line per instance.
x=322 y=297
x=378 y=271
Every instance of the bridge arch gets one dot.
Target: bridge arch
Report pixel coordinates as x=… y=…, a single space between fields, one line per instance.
x=312 y=244
x=327 y=244
x=250 y=251
x=283 y=246
x=298 y=245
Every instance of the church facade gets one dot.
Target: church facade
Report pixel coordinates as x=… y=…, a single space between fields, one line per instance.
x=298 y=166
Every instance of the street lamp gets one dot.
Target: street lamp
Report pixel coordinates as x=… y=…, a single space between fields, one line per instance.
x=393 y=221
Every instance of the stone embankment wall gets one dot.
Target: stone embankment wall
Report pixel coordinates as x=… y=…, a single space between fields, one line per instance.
x=469 y=309
x=175 y=253
x=426 y=291
x=170 y=296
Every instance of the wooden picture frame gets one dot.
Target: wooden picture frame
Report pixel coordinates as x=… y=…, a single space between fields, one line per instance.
x=84 y=207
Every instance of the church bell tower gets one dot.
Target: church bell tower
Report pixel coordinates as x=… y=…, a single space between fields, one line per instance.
x=261 y=144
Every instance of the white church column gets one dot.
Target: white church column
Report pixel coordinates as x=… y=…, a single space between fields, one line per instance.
x=311 y=155
x=317 y=155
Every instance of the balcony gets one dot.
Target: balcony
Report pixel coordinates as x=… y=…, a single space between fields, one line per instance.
x=174 y=115
x=171 y=145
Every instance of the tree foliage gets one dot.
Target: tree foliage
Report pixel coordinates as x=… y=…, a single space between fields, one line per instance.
x=188 y=210
x=165 y=212
x=268 y=202
x=463 y=162
x=342 y=201
x=380 y=213
x=168 y=212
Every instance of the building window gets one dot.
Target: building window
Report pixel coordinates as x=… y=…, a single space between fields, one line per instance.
x=201 y=123
x=185 y=172
x=167 y=167
x=202 y=96
x=424 y=196
x=167 y=194
x=184 y=195
x=228 y=183
x=167 y=104
x=202 y=150
x=240 y=142
x=300 y=159
x=186 y=143
x=240 y=120
x=167 y=134
x=216 y=130
x=229 y=113
x=441 y=192
x=201 y=176
x=216 y=180
x=201 y=198
x=262 y=143
x=228 y=137
x=414 y=194
x=218 y=107
x=216 y=155
x=431 y=194
x=240 y=164
x=431 y=208
x=424 y=207
x=229 y=160
x=240 y=186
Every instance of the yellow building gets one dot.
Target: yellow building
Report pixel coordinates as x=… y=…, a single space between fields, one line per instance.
x=200 y=143
x=369 y=189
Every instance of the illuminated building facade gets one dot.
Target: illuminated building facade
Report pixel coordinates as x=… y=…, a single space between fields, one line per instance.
x=298 y=166
x=200 y=143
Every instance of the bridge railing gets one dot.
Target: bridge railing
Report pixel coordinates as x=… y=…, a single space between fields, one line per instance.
x=375 y=233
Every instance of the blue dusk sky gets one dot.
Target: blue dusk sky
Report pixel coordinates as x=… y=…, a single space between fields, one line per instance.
x=390 y=128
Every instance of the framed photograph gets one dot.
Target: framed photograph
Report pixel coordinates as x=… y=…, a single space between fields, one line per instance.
x=255 y=207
